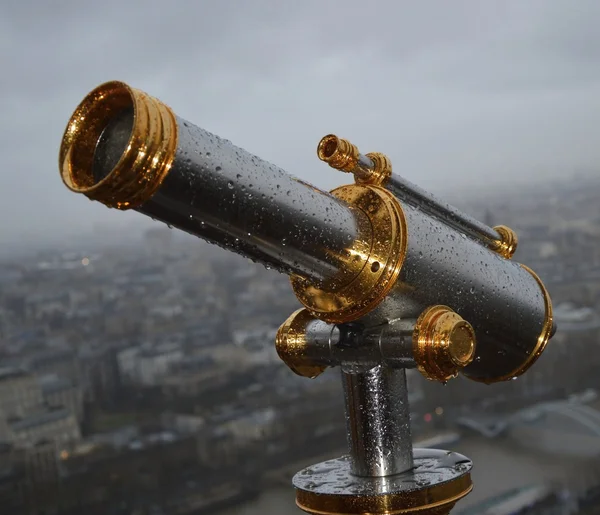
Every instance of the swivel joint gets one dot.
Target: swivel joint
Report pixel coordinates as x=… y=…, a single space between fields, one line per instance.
x=439 y=344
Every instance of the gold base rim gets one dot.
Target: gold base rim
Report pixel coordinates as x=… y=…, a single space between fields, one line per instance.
x=438 y=499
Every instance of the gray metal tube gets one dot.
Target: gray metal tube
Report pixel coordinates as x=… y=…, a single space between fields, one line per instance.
x=418 y=197
x=501 y=299
x=129 y=151
x=378 y=421
x=227 y=196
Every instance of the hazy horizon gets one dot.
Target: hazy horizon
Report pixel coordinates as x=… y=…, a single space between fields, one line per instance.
x=463 y=97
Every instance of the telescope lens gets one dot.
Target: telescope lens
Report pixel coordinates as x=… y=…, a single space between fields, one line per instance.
x=112 y=144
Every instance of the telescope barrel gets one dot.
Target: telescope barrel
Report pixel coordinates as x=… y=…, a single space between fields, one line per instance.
x=362 y=252
x=128 y=151
x=504 y=301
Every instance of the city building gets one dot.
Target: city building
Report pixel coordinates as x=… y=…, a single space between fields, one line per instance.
x=19 y=393
x=148 y=365
x=62 y=392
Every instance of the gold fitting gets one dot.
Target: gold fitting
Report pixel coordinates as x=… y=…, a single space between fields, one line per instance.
x=145 y=161
x=542 y=340
x=443 y=343
x=343 y=155
x=398 y=504
x=291 y=347
x=507 y=245
x=338 y=153
x=382 y=170
x=437 y=499
x=375 y=259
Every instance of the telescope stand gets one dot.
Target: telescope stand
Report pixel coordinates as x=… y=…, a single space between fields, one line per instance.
x=383 y=474
x=385 y=272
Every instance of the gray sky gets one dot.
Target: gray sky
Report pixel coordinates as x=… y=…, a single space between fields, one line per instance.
x=459 y=94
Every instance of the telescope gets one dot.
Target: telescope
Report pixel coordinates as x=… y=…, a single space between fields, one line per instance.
x=389 y=277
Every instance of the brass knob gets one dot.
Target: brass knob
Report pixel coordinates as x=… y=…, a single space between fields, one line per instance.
x=507 y=246
x=443 y=343
x=291 y=347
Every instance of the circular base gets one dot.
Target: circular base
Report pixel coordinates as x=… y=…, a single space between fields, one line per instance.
x=438 y=479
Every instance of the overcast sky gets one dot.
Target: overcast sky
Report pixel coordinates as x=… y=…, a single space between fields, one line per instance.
x=458 y=93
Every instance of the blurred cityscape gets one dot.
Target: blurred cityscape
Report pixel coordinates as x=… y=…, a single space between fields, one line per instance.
x=143 y=380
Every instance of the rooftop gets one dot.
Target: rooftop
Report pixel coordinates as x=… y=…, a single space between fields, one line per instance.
x=39 y=418
x=49 y=355
x=53 y=383
x=7 y=373
x=569 y=427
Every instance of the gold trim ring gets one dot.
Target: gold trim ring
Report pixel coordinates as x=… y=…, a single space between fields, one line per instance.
x=380 y=259
x=146 y=160
x=543 y=338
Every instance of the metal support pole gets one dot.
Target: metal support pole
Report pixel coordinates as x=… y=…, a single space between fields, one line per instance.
x=378 y=421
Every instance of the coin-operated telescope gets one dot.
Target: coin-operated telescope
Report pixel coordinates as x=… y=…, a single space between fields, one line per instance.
x=390 y=278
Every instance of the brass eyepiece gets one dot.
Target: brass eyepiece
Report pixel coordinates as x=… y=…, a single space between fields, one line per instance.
x=142 y=127
x=338 y=153
x=443 y=343
x=371 y=169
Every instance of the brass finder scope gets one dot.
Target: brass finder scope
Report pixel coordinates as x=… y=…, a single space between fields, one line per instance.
x=389 y=276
